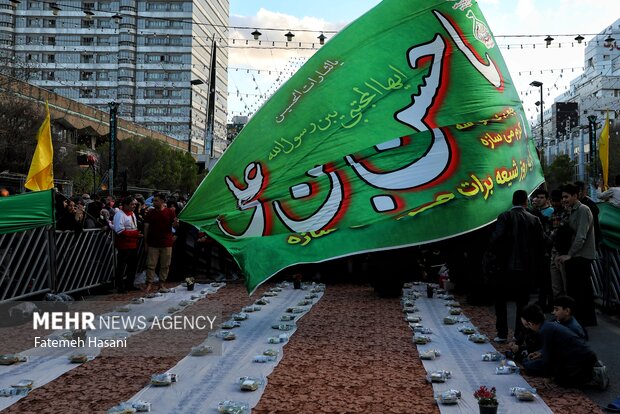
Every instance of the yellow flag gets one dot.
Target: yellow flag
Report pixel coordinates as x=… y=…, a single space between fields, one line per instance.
x=41 y=173
x=603 y=151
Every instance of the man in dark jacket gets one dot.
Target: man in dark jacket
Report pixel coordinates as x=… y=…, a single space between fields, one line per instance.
x=517 y=242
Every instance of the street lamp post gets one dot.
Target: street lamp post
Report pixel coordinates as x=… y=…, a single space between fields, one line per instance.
x=113 y=114
x=592 y=130
x=191 y=111
x=538 y=84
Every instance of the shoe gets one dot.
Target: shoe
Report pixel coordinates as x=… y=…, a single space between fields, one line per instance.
x=163 y=289
x=600 y=377
x=499 y=340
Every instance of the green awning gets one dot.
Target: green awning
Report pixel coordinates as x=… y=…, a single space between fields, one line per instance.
x=26 y=211
x=609 y=218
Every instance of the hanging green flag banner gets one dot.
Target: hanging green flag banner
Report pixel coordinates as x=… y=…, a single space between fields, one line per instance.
x=404 y=129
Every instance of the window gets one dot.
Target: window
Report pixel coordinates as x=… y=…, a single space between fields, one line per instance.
x=88 y=6
x=47 y=75
x=156 y=111
x=156 y=93
x=33 y=22
x=86 y=93
x=50 y=58
x=87 y=24
x=51 y=40
x=87 y=41
x=104 y=58
x=86 y=76
x=103 y=76
x=104 y=41
x=49 y=23
x=87 y=59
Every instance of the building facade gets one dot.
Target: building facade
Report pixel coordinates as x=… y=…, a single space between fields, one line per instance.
x=152 y=57
x=595 y=93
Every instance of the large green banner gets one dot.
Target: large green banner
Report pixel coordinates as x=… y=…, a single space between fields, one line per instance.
x=404 y=129
x=26 y=211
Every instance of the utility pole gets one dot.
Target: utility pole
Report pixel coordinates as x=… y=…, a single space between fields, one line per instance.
x=592 y=128
x=538 y=84
x=113 y=114
x=211 y=106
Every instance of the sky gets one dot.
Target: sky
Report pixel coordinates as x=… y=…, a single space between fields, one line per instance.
x=256 y=72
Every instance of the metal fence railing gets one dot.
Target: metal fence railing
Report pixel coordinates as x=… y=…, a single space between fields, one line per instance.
x=606 y=277
x=83 y=259
x=26 y=265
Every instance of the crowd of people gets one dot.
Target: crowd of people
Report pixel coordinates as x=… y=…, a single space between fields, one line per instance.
x=548 y=243
x=129 y=219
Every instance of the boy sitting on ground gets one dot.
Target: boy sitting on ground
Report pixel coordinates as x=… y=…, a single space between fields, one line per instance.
x=563 y=311
x=564 y=356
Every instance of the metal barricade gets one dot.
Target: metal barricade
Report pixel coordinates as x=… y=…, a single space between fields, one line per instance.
x=83 y=259
x=606 y=276
x=26 y=263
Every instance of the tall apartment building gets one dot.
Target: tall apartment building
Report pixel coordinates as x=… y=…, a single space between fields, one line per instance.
x=596 y=92
x=152 y=57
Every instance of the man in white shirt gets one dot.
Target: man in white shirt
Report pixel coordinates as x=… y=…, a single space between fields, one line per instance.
x=612 y=195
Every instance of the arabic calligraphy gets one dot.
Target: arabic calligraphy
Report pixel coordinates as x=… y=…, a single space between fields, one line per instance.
x=499 y=117
x=305 y=238
x=508 y=136
x=476 y=185
x=440 y=198
x=363 y=100
x=328 y=65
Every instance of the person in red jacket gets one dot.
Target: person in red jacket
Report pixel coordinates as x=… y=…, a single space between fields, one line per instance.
x=158 y=225
x=126 y=242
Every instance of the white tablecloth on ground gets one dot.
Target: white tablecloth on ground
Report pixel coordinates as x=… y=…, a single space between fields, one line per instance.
x=46 y=364
x=463 y=358
x=204 y=381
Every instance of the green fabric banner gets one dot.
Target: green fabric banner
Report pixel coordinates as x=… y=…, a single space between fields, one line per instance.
x=26 y=211
x=609 y=219
x=404 y=129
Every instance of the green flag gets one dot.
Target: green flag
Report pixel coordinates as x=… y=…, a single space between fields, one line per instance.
x=404 y=129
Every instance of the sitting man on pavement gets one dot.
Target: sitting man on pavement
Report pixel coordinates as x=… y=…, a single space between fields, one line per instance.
x=564 y=356
x=563 y=312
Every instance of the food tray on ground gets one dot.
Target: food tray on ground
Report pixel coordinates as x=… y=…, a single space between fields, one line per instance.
x=201 y=350
x=230 y=324
x=439 y=376
x=523 y=394
x=10 y=391
x=507 y=368
x=271 y=352
x=283 y=326
x=453 y=304
x=492 y=356
x=305 y=302
x=9 y=359
x=448 y=397
x=233 y=407
x=153 y=295
x=455 y=311
x=162 y=380
x=270 y=294
x=278 y=339
x=410 y=309
x=295 y=309
x=217 y=284
x=249 y=383
x=287 y=318
x=137 y=301
x=25 y=383
x=263 y=358
x=413 y=318
x=478 y=338
x=430 y=354
x=467 y=330
x=450 y=320
x=311 y=296
x=184 y=303
x=227 y=335
x=240 y=316
x=262 y=302
x=421 y=339
x=141 y=406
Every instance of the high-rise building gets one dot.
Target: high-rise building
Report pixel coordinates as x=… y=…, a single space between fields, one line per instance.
x=594 y=93
x=152 y=57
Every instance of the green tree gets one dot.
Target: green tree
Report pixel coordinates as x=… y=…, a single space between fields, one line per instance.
x=560 y=171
